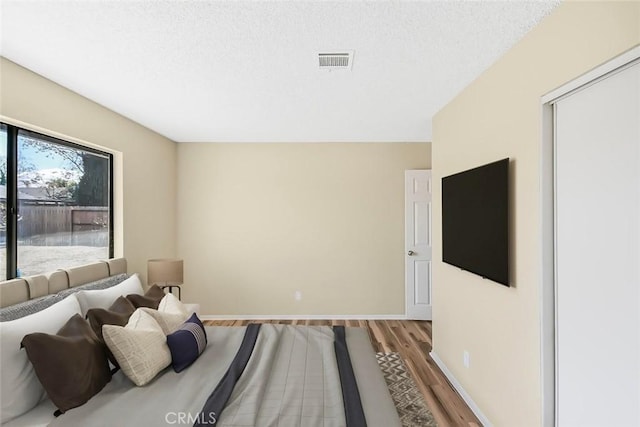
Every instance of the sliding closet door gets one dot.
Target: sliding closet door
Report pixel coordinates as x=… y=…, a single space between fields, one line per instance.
x=597 y=253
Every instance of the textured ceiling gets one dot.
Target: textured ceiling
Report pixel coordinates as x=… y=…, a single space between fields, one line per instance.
x=248 y=71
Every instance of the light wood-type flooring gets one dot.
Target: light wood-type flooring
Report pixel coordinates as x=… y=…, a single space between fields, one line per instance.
x=412 y=339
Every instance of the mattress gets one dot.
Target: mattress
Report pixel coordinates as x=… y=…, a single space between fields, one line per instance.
x=40 y=416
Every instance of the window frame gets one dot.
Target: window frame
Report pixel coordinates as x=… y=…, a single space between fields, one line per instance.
x=12 y=208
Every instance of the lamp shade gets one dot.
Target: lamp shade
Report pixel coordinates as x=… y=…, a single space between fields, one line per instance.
x=164 y=271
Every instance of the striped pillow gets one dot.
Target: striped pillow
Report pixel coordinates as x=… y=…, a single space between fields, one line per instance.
x=187 y=343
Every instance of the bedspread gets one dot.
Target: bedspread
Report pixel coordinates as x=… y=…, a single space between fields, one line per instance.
x=291 y=379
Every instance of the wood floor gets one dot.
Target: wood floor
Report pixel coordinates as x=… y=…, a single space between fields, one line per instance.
x=412 y=339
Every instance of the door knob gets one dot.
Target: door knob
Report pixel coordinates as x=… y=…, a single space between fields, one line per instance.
x=410 y=253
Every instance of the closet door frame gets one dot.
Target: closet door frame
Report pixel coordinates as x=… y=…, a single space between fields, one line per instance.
x=547 y=289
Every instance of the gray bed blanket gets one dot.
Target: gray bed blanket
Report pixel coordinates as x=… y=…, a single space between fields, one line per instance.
x=291 y=380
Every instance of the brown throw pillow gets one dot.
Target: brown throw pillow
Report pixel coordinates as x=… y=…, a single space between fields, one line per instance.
x=71 y=365
x=123 y=305
x=151 y=298
x=118 y=314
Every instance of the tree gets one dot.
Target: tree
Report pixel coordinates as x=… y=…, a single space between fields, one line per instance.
x=60 y=189
x=3 y=172
x=93 y=188
x=23 y=166
x=69 y=154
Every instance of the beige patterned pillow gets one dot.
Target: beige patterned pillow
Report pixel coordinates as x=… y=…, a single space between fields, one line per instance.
x=169 y=322
x=140 y=347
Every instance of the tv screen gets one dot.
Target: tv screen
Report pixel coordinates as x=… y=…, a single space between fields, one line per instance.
x=475 y=221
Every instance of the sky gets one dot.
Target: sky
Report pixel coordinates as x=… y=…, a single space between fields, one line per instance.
x=38 y=159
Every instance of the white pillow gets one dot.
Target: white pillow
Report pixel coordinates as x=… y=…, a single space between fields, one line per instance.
x=140 y=347
x=103 y=298
x=169 y=322
x=20 y=388
x=170 y=304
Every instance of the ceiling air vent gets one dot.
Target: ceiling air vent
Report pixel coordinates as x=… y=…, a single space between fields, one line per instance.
x=335 y=61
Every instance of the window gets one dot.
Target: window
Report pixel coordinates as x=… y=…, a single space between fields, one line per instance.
x=55 y=203
x=3 y=201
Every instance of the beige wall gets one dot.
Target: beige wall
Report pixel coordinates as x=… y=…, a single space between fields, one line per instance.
x=257 y=222
x=497 y=116
x=145 y=162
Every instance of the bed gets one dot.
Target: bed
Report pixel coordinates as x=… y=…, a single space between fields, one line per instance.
x=259 y=375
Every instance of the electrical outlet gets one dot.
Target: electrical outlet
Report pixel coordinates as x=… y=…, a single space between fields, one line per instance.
x=465 y=358
x=297 y=295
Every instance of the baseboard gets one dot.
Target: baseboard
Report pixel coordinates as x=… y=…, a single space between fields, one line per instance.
x=461 y=391
x=303 y=317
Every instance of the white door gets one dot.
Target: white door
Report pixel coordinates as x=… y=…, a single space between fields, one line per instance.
x=598 y=253
x=418 y=244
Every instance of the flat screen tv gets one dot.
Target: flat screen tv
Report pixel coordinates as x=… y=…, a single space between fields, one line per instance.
x=475 y=221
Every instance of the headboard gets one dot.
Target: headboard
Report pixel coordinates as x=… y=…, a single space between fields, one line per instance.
x=23 y=289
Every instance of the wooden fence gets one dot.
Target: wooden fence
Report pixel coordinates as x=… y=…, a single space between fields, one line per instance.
x=37 y=220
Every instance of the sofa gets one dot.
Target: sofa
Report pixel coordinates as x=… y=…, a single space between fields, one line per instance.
x=27 y=295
